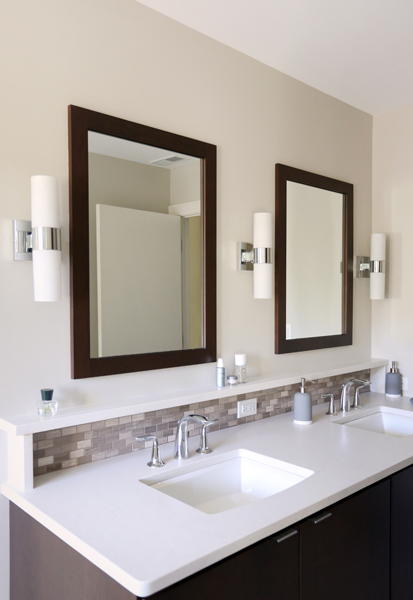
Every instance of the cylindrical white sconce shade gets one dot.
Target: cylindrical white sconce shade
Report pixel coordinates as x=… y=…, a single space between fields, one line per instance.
x=46 y=230
x=377 y=266
x=263 y=271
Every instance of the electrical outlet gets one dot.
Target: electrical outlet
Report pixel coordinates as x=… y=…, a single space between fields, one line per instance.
x=405 y=384
x=246 y=408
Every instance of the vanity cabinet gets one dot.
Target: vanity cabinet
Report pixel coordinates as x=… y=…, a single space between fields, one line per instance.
x=44 y=567
x=402 y=535
x=345 y=550
x=359 y=548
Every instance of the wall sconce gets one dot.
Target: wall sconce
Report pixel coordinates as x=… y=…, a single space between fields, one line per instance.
x=40 y=239
x=374 y=266
x=257 y=256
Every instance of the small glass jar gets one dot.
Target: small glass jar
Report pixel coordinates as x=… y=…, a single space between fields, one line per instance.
x=241 y=367
x=47 y=407
x=232 y=380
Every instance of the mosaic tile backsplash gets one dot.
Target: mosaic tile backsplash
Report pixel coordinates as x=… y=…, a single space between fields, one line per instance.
x=73 y=446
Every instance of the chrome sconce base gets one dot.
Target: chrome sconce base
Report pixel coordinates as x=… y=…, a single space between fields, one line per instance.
x=26 y=239
x=374 y=266
x=365 y=266
x=248 y=256
x=22 y=240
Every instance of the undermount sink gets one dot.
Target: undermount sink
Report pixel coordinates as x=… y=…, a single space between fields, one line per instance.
x=382 y=419
x=228 y=480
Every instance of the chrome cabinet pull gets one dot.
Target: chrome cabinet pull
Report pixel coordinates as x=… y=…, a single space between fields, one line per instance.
x=318 y=518
x=286 y=535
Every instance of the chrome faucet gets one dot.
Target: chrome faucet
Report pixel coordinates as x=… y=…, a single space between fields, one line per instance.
x=345 y=393
x=181 y=440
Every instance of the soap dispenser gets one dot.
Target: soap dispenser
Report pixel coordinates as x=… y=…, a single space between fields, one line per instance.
x=303 y=413
x=393 y=387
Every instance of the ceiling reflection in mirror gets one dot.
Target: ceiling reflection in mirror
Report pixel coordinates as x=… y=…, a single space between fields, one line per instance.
x=145 y=248
x=314 y=279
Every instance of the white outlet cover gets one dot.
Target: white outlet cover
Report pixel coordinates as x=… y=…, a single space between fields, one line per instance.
x=246 y=408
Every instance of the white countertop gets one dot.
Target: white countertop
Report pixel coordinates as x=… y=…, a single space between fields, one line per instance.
x=147 y=540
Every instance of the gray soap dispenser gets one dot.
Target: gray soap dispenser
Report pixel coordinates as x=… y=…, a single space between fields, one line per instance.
x=393 y=387
x=303 y=413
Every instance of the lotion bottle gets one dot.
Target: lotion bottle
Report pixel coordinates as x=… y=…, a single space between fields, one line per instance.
x=220 y=373
x=393 y=387
x=303 y=412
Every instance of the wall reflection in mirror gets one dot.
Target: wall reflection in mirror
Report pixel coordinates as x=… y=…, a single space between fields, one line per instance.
x=145 y=250
x=314 y=261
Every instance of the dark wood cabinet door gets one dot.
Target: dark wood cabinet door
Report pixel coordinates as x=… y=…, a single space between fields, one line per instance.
x=43 y=567
x=345 y=550
x=402 y=535
x=269 y=569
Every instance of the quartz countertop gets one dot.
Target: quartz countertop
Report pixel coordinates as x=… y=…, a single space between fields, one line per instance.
x=147 y=540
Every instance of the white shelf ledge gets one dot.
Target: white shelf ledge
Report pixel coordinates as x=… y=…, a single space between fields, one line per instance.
x=30 y=423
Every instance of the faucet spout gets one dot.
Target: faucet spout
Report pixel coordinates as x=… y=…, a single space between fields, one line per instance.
x=345 y=395
x=181 y=440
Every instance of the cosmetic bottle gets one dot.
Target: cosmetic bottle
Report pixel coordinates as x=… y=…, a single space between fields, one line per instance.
x=47 y=407
x=393 y=387
x=303 y=412
x=241 y=367
x=220 y=373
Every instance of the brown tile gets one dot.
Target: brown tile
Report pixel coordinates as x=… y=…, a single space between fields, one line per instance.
x=47 y=460
x=68 y=447
x=98 y=456
x=76 y=453
x=66 y=464
x=124 y=420
x=84 y=444
x=53 y=434
x=68 y=430
x=84 y=427
x=45 y=444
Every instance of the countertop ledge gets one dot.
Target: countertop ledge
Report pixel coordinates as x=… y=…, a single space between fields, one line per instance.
x=29 y=423
x=104 y=512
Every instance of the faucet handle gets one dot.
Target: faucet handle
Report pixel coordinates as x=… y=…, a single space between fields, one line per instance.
x=203 y=442
x=332 y=406
x=156 y=460
x=356 y=402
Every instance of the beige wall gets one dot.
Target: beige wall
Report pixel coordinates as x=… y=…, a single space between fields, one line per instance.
x=392 y=318
x=120 y=58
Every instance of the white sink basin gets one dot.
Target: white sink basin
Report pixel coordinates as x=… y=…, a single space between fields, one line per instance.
x=228 y=480
x=382 y=419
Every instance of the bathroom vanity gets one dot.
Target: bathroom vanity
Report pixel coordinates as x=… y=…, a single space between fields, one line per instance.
x=338 y=532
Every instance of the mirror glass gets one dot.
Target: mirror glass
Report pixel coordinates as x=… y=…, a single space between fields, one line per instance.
x=142 y=246
x=314 y=261
x=145 y=248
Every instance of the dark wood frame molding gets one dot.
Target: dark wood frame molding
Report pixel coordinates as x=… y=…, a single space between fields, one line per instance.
x=283 y=174
x=80 y=122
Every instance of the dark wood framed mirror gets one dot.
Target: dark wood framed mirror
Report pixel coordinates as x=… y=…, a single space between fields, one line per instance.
x=142 y=247
x=313 y=261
